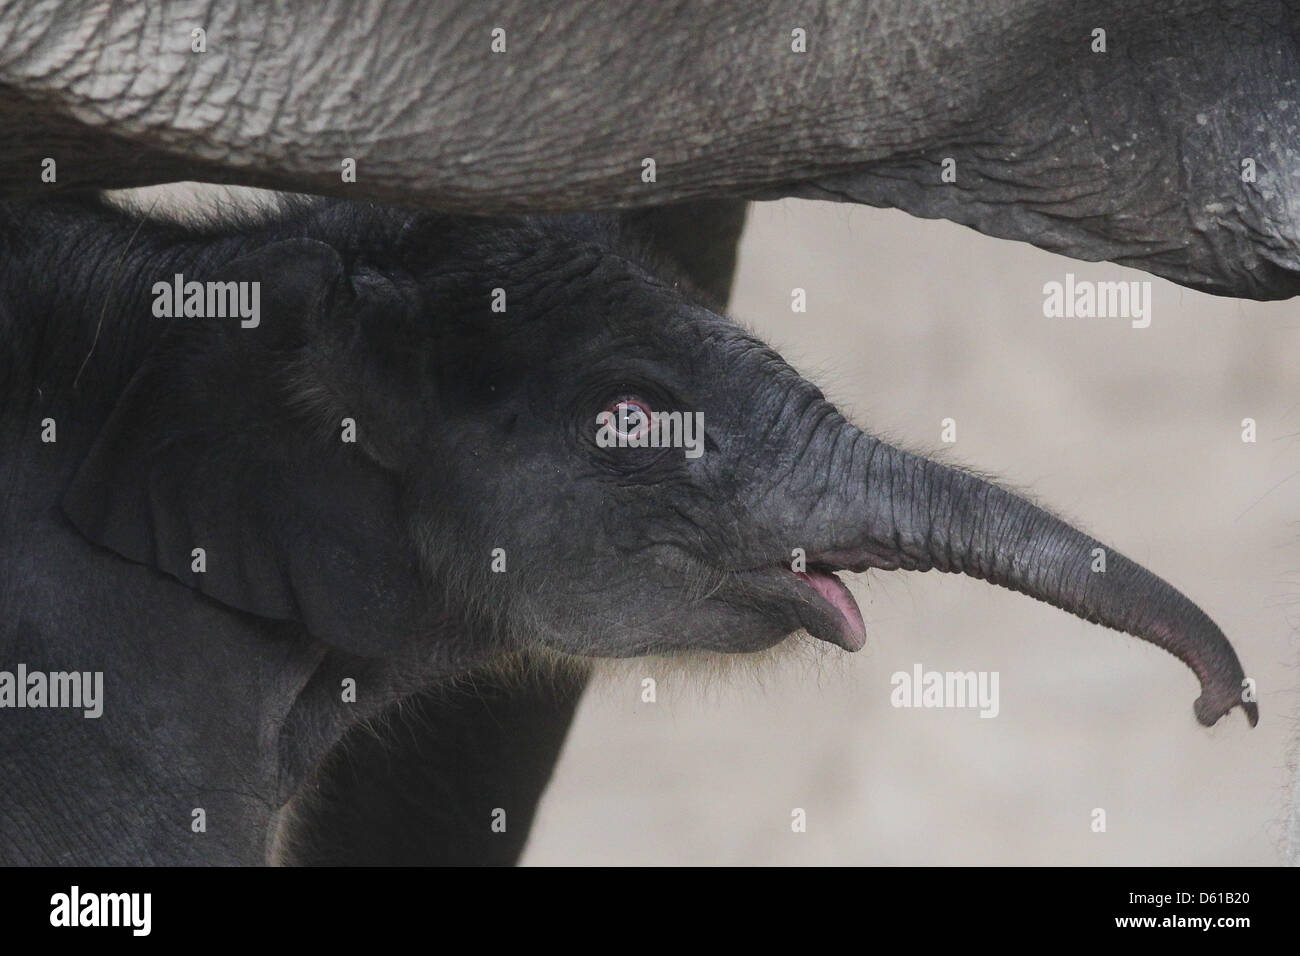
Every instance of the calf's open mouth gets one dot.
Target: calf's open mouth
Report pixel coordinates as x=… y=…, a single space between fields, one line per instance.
x=840 y=620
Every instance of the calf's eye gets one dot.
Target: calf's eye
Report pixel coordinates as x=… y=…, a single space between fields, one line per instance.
x=628 y=418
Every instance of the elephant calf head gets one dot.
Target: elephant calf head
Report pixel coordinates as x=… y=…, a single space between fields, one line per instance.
x=449 y=437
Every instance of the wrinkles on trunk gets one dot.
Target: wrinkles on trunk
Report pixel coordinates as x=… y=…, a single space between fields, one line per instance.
x=912 y=513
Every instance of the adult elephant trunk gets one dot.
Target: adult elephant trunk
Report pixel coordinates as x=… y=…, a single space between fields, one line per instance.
x=905 y=511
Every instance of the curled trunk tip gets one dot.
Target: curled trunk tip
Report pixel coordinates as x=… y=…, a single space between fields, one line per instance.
x=921 y=514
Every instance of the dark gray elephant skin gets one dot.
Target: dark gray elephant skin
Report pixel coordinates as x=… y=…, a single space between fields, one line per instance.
x=1166 y=142
x=1137 y=153
x=376 y=560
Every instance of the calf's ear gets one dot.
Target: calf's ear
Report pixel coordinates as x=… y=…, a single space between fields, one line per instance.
x=222 y=466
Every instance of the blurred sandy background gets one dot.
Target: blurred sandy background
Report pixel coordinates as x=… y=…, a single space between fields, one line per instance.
x=1135 y=434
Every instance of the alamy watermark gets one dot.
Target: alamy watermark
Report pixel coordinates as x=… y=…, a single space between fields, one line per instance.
x=946 y=689
x=630 y=424
x=84 y=690
x=208 y=300
x=1085 y=299
x=75 y=908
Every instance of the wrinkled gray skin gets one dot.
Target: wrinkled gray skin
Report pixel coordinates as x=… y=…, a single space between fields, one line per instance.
x=1133 y=155
x=372 y=560
x=414 y=787
x=206 y=707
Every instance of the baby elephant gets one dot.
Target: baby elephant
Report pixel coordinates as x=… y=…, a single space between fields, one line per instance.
x=388 y=447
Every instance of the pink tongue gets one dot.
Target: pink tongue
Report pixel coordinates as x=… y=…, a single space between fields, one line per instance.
x=833 y=590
